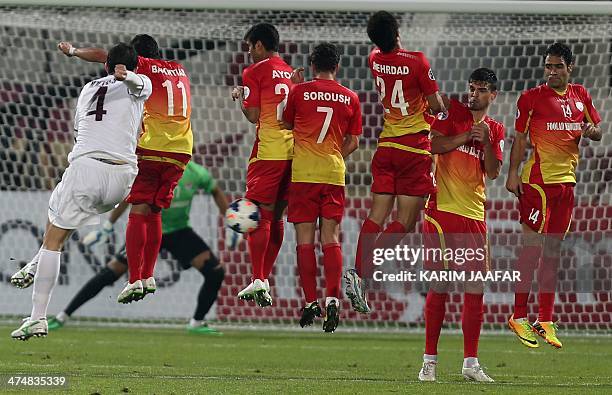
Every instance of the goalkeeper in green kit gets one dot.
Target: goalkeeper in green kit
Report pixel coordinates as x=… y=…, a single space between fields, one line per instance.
x=178 y=238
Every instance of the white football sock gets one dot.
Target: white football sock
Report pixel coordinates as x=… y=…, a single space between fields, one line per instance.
x=194 y=323
x=430 y=358
x=62 y=317
x=35 y=260
x=470 y=362
x=44 y=282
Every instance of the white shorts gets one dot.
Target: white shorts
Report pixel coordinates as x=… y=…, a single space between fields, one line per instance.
x=89 y=188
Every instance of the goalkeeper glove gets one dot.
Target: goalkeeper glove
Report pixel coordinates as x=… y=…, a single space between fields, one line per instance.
x=98 y=236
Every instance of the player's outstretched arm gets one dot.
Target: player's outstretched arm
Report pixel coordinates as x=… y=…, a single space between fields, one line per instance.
x=349 y=145
x=96 y=55
x=441 y=144
x=513 y=183
x=220 y=199
x=593 y=132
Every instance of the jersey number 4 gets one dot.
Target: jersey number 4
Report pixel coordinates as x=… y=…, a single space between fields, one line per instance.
x=397 y=95
x=99 y=112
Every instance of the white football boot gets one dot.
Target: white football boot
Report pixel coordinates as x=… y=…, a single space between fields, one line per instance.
x=31 y=328
x=475 y=373
x=428 y=371
x=24 y=277
x=261 y=293
x=148 y=286
x=131 y=292
x=247 y=292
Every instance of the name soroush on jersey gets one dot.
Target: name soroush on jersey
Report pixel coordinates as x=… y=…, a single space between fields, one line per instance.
x=108 y=116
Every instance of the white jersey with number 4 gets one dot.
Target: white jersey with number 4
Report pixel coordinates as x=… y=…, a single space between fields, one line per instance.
x=108 y=116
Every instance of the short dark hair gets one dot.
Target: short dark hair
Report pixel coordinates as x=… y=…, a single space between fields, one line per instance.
x=146 y=46
x=561 y=50
x=264 y=32
x=122 y=53
x=383 y=30
x=484 y=74
x=325 y=57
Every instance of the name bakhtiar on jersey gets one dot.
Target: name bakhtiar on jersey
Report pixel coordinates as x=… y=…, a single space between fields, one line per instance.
x=107 y=118
x=266 y=85
x=460 y=174
x=403 y=80
x=554 y=121
x=167 y=118
x=322 y=113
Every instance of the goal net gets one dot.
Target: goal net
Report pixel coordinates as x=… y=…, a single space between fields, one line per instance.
x=39 y=87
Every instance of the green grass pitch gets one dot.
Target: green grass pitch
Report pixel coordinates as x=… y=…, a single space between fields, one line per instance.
x=164 y=361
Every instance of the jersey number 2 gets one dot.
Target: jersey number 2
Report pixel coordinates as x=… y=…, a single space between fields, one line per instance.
x=99 y=112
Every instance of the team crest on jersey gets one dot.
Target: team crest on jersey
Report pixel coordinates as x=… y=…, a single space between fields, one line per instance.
x=580 y=106
x=431 y=75
x=246 y=92
x=442 y=116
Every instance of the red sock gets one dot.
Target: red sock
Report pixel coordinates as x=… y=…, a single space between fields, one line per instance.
x=471 y=323
x=258 y=243
x=307 y=269
x=135 y=239
x=367 y=237
x=526 y=264
x=547 y=286
x=391 y=236
x=152 y=245
x=332 y=264
x=277 y=231
x=435 y=309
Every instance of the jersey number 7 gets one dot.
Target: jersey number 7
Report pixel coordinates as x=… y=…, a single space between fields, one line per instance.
x=329 y=112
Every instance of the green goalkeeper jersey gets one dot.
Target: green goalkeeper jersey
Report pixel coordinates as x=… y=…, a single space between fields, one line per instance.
x=195 y=177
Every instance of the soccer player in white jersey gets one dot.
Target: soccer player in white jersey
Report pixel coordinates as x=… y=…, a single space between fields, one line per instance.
x=102 y=168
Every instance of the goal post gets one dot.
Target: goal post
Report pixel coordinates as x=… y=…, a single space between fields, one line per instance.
x=39 y=87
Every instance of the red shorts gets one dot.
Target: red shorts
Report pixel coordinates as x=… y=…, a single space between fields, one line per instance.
x=399 y=172
x=155 y=183
x=547 y=208
x=309 y=201
x=466 y=237
x=268 y=181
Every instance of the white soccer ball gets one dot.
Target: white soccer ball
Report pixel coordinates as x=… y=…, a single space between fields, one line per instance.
x=242 y=216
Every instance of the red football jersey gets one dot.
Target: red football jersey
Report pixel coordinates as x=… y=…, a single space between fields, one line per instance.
x=460 y=173
x=403 y=80
x=554 y=121
x=166 y=121
x=266 y=85
x=322 y=113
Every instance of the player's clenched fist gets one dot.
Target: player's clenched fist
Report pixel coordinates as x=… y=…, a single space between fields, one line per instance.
x=480 y=133
x=66 y=48
x=297 y=75
x=238 y=93
x=120 y=72
x=514 y=184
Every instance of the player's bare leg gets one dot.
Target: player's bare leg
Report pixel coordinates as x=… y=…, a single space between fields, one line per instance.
x=24 y=277
x=382 y=205
x=44 y=282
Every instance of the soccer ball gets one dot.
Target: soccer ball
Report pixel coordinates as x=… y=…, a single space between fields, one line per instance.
x=242 y=216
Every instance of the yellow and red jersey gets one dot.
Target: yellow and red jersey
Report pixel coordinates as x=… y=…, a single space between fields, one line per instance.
x=554 y=121
x=460 y=173
x=322 y=113
x=403 y=80
x=166 y=124
x=266 y=85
